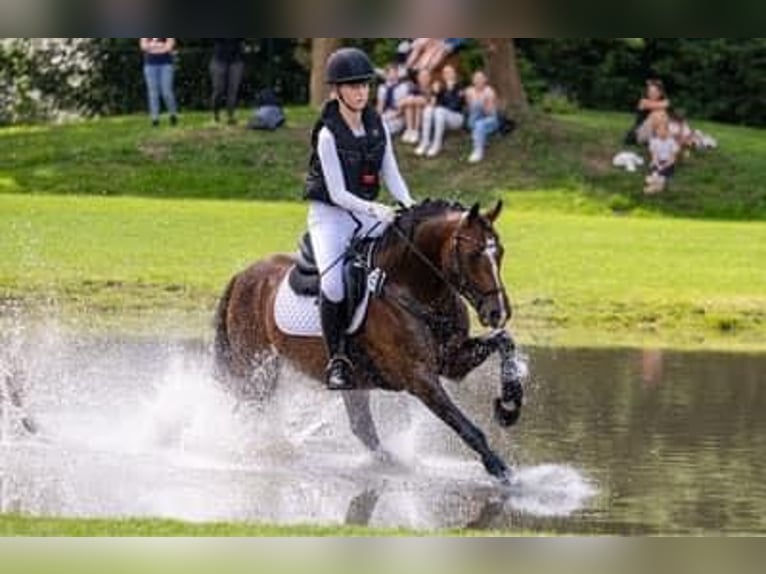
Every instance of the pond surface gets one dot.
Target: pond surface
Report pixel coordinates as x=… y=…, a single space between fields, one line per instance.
x=609 y=442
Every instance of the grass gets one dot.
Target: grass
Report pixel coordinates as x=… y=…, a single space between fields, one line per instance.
x=575 y=279
x=549 y=159
x=14 y=525
x=591 y=261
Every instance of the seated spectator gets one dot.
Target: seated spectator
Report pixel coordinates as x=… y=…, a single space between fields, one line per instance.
x=483 y=119
x=680 y=130
x=654 y=100
x=413 y=106
x=445 y=111
x=664 y=152
x=389 y=99
x=430 y=53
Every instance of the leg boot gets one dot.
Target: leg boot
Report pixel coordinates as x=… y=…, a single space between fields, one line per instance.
x=334 y=325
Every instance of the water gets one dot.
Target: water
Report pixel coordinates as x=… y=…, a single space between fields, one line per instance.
x=609 y=442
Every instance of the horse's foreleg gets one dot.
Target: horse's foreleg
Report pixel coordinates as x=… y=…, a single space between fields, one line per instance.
x=360 y=416
x=464 y=356
x=438 y=401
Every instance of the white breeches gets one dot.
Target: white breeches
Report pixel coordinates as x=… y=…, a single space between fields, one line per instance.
x=332 y=229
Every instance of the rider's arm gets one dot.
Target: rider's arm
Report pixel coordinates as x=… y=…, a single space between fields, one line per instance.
x=336 y=184
x=393 y=177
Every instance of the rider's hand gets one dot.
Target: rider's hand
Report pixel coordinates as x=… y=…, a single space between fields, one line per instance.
x=382 y=213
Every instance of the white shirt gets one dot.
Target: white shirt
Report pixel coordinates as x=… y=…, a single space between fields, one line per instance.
x=663 y=150
x=336 y=184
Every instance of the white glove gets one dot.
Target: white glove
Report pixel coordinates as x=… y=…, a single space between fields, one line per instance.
x=382 y=213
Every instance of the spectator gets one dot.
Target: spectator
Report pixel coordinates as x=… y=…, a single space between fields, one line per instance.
x=654 y=100
x=226 y=67
x=389 y=98
x=664 y=151
x=430 y=53
x=680 y=130
x=483 y=119
x=444 y=112
x=413 y=106
x=158 y=72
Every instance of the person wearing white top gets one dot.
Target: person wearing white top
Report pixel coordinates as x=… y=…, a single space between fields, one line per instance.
x=351 y=154
x=664 y=151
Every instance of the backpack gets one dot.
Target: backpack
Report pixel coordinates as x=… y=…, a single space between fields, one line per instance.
x=507 y=124
x=268 y=114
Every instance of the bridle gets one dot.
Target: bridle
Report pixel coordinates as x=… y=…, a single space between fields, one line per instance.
x=461 y=286
x=471 y=291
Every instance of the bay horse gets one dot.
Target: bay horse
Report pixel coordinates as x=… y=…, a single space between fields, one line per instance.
x=435 y=255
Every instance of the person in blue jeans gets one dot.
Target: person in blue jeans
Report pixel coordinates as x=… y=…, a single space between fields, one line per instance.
x=483 y=119
x=158 y=72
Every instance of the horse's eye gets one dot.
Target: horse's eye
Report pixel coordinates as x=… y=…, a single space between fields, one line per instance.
x=474 y=256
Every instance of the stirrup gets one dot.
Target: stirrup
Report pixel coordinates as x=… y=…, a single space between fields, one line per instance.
x=338 y=374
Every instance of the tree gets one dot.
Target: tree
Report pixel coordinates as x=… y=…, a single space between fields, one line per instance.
x=321 y=48
x=503 y=69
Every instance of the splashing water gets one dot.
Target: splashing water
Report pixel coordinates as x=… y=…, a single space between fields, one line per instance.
x=136 y=427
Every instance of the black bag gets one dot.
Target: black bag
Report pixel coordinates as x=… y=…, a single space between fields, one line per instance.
x=507 y=124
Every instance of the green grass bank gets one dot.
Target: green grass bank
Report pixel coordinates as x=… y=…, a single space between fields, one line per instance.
x=154 y=265
x=113 y=222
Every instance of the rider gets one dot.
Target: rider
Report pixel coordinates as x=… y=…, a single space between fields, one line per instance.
x=351 y=151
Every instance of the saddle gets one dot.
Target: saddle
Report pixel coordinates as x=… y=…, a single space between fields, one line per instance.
x=360 y=279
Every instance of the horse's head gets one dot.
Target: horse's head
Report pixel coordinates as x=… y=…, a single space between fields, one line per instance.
x=474 y=260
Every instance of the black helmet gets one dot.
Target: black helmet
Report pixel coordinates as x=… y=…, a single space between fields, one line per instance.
x=349 y=66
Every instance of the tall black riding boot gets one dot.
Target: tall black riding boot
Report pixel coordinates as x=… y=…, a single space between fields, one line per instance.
x=334 y=325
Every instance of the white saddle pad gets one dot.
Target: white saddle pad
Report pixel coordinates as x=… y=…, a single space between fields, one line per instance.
x=298 y=316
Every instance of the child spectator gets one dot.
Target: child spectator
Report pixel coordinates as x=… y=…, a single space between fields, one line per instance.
x=445 y=111
x=389 y=99
x=664 y=151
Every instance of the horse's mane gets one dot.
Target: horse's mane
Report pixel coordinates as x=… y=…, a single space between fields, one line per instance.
x=407 y=221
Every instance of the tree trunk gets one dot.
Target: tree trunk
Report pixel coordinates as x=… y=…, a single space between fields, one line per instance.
x=503 y=71
x=321 y=48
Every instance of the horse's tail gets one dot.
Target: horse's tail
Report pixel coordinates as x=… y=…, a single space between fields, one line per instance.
x=222 y=345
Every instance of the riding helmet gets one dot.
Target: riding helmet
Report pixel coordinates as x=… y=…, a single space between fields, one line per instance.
x=349 y=66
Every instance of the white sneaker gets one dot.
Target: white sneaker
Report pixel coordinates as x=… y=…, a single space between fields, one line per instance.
x=415 y=137
x=406 y=135
x=476 y=156
x=420 y=150
x=433 y=151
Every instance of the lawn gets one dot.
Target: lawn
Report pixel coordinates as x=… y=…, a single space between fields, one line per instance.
x=139 y=228
x=574 y=279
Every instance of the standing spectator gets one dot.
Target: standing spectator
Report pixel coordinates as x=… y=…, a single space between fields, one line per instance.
x=158 y=72
x=389 y=99
x=444 y=112
x=226 y=68
x=413 y=106
x=483 y=119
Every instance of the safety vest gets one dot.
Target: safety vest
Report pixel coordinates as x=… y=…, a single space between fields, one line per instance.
x=361 y=157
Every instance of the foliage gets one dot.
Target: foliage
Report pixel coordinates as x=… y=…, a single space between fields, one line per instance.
x=711 y=78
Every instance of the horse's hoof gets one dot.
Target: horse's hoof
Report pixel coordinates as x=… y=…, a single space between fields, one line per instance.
x=506 y=417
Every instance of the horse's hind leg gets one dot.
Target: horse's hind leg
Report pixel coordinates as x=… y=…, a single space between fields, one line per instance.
x=360 y=416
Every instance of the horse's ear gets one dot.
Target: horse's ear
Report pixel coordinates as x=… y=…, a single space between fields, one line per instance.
x=494 y=213
x=474 y=213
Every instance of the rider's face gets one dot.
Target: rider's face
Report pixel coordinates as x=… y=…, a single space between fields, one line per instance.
x=355 y=96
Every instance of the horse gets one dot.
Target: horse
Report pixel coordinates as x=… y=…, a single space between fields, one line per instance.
x=436 y=256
